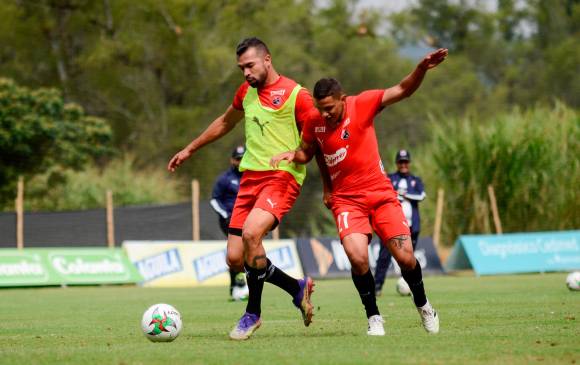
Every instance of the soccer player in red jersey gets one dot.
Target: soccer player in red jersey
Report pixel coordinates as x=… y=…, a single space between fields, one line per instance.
x=361 y=196
x=274 y=109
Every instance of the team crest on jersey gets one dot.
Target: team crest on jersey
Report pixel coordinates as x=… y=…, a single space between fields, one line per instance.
x=277 y=101
x=345 y=135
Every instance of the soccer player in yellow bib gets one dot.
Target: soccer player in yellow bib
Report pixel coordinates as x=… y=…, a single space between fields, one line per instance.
x=273 y=108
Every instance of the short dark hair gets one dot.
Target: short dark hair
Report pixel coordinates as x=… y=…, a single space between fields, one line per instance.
x=327 y=87
x=248 y=43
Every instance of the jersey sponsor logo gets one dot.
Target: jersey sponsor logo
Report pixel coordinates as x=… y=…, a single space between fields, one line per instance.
x=278 y=92
x=335 y=158
x=320 y=129
x=261 y=125
x=344 y=135
x=277 y=101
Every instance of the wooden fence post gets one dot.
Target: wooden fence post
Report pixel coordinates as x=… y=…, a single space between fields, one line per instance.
x=195 y=209
x=438 y=218
x=20 y=214
x=494 y=210
x=110 y=220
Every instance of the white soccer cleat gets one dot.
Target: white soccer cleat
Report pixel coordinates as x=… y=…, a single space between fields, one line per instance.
x=429 y=318
x=376 y=326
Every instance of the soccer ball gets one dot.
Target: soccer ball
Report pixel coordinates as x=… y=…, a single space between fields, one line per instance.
x=240 y=292
x=573 y=280
x=403 y=288
x=161 y=323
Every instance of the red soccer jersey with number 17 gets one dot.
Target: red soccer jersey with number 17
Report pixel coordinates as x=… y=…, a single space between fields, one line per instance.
x=351 y=150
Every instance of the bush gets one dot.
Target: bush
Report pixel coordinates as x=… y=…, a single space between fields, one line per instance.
x=70 y=190
x=530 y=158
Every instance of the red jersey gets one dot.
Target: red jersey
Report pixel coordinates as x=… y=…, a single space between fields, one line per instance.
x=351 y=150
x=275 y=95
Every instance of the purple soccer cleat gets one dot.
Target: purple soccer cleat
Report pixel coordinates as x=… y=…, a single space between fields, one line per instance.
x=302 y=299
x=247 y=325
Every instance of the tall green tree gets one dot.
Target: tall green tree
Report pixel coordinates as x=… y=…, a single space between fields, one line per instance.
x=39 y=131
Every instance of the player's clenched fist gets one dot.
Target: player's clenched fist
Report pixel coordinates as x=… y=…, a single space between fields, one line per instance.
x=178 y=159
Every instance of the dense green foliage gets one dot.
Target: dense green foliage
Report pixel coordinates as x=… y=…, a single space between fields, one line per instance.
x=519 y=319
x=40 y=131
x=530 y=158
x=161 y=71
x=86 y=189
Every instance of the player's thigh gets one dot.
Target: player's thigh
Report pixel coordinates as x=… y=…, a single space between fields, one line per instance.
x=356 y=247
x=391 y=226
x=350 y=218
x=245 y=201
x=242 y=208
x=278 y=195
x=258 y=223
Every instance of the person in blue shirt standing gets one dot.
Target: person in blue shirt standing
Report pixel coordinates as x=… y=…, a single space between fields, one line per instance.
x=223 y=197
x=410 y=191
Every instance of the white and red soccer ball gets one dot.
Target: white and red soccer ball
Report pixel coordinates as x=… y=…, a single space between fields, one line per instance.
x=161 y=323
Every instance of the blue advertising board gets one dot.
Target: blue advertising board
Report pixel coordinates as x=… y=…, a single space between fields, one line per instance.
x=325 y=257
x=516 y=253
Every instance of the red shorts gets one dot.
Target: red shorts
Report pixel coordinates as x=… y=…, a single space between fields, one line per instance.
x=377 y=209
x=273 y=191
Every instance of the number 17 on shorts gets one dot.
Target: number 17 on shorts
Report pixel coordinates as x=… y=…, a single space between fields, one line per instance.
x=342 y=221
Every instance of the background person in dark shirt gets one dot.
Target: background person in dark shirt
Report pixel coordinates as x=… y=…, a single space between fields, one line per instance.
x=410 y=191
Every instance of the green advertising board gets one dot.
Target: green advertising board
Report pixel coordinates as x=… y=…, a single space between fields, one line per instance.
x=66 y=266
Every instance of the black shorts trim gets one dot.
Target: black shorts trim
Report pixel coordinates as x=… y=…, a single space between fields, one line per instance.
x=235 y=231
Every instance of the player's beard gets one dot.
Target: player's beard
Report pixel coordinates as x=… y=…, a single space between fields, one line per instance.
x=258 y=81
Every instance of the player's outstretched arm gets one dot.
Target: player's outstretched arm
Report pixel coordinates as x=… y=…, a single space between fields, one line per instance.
x=412 y=82
x=222 y=125
x=301 y=155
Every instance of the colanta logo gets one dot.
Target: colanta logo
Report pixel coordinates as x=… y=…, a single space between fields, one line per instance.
x=335 y=158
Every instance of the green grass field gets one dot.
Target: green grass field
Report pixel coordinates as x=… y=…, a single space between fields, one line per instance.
x=523 y=319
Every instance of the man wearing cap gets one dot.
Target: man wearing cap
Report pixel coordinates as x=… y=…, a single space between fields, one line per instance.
x=410 y=192
x=223 y=197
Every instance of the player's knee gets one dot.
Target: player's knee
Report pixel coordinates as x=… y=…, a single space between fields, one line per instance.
x=251 y=237
x=359 y=265
x=235 y=260
x=407 y=263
